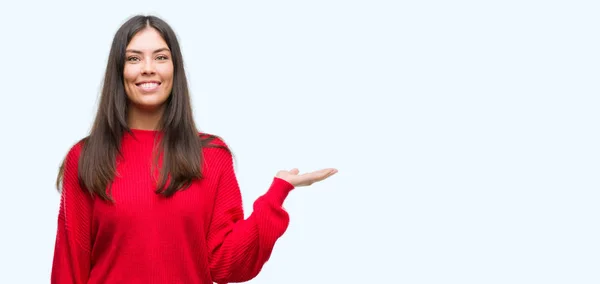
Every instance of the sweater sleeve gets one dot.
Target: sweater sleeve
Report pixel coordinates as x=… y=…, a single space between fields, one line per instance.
x=71 y=263
x=240 y=247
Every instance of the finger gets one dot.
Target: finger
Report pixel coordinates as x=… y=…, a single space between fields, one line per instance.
x=316 y=176
x=331 y=172
x=326 y=173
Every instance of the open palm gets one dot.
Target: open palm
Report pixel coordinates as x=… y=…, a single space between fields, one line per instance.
x=297 y=180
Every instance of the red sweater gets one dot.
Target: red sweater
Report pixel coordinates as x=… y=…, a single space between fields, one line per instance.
x=197 y=236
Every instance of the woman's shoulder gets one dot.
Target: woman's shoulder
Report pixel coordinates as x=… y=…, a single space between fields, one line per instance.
x=75 y=149
x=215 y=150
x=214 y=143
x=211 y=139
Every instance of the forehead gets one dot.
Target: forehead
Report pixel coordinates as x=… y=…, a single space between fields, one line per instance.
x=147 y=39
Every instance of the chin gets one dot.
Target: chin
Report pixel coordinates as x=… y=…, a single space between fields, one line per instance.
x=150 y=103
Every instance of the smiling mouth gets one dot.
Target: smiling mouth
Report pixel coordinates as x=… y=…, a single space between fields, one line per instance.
x=148 y=86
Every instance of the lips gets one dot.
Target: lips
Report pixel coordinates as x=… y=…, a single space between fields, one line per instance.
x=148 y=86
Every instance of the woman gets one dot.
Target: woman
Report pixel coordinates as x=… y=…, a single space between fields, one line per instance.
x=146 y=198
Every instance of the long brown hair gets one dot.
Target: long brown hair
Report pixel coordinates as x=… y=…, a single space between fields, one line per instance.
x=181 y=144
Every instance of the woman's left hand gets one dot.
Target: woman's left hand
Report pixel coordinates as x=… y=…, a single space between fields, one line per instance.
x=297 y=180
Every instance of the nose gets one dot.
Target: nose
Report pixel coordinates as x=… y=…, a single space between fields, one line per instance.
x=148 y=67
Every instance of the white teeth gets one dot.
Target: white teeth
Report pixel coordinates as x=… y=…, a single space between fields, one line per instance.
x=149 y=85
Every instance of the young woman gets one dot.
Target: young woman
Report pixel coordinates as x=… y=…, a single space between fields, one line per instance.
x=146 y=197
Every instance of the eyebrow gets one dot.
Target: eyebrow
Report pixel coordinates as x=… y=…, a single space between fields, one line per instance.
x=156 y=51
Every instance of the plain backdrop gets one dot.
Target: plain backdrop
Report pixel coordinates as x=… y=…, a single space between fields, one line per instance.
x=465 y=132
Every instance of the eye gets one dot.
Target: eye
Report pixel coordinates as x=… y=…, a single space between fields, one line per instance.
x=162 y=57
x=132 y=58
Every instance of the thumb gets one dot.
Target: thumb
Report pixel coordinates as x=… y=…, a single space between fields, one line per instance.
x=294 y=171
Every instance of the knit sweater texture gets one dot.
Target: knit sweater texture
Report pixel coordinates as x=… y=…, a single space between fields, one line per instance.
x=197 y=236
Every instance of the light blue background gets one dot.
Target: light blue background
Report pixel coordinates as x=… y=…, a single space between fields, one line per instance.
x=465 y=132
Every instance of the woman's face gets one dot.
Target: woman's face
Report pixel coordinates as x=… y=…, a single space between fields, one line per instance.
x=148 y=70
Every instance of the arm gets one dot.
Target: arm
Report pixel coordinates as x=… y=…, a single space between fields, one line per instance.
x=239 y=248
x=71 y=263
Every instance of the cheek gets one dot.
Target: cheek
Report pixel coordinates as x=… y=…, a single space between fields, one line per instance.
x=166 y=73
x=129 y=75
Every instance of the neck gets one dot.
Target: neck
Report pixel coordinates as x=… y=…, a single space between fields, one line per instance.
x=144 y=119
